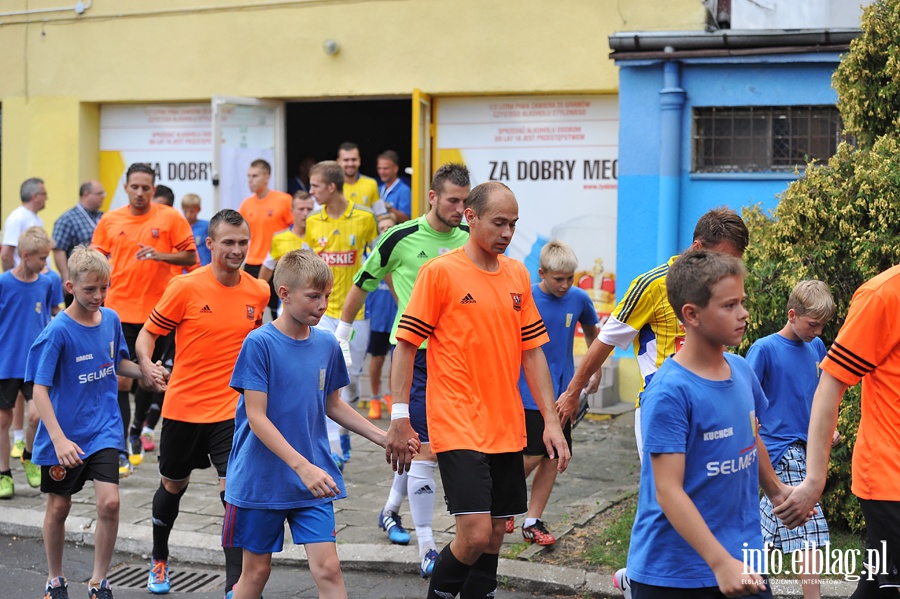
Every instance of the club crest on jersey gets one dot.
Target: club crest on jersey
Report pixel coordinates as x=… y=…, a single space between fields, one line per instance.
x=353 y=240
x=517 y=301
x=442 y=251
x=155 y=233
x=321 y=379
x=569 y=316
x=57 y=472
x=323 y=241
x=37 y=307
x=112 y=350
x=251 y=312
x=270 y=213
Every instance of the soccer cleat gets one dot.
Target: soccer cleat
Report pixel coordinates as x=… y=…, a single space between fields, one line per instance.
x=390 y=523
x=158 y=581
x=32 y=473
x=56 y=589
x=338 y=461
x=388 y=401
x=147 y=440
x=101 y=592
x=537 y=533
x=510 y=525
x=125 y=467
x=7 y=487
x=136 y=456
x=427 y=565
x=230 y=594
x=18 y=448
x=345 y=447
x=621 y=582
x=375 y=409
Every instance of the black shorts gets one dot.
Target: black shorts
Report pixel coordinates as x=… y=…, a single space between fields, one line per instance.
x=102 y=467
x=188 y=446
x=483 y=483
x=165 y=345
x=9 y=391
x=534 y=428
x=883 y=524
x=647 y=591
x=379 y=343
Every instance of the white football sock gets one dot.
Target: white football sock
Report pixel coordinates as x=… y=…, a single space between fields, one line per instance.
x=421 y=489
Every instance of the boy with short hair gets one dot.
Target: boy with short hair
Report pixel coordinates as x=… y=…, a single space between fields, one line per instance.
x=787 y=366
x=73 y=365
x=282 y=409
x=381 y=310
x=703 y=465
x=26 y=300
x=190 y=207
x=561 y=306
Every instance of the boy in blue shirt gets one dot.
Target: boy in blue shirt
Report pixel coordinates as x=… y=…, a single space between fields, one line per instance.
x=787 y=366
x=26 y=297
x=698 y=509
x=289 y=374
x=561 y=306
x=73 y=365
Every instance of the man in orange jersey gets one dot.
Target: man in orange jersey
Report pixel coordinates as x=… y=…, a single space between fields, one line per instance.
x=266 y=211
x=211 y=310
x=474 y=305
x=143 y=241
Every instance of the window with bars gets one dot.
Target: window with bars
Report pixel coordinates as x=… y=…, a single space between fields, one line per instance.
x=763 y=138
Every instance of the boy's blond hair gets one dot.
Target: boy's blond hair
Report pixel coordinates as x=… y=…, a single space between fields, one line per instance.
x=34 y=239
x=812 y=298
x=691 y=277
x=85 y=261
x=558 y=256
x=189 y=200
x=302 y=268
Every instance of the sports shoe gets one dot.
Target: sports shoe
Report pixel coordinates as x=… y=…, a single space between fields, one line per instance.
x=18 y=448
x=345 y=447
x=427 y=565
x=100 y=592
x=57 y=589
x=125 y=467
x=537 y=533
x=136 y=449
x=388 y=401
x=32 y=473
x=390 y=523
x=7 y=487
x=147 y=440
x=621 y=582
x=338 y=461
x=510 y=525
x=230 y=594
x=375 y=409
x=158 y=581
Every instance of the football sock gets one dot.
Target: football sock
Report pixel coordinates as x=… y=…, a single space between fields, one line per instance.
x=18 y=435
x=165 y=511
x=397 y=494
x=482 y=580
x=125 y=410
x=529 y=522
x=448 y=576
x=234 y=558
x=421 y=502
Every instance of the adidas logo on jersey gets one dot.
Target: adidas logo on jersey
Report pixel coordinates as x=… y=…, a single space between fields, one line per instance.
x=205 y=310
x=422 y=254
x=468 y=299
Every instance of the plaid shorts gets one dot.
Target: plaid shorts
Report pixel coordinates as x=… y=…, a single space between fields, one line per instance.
x=792 y=470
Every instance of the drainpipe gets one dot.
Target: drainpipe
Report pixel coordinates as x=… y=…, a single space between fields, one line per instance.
x=671 y=101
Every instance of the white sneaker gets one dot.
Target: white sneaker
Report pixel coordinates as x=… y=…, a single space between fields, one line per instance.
x=621 y=582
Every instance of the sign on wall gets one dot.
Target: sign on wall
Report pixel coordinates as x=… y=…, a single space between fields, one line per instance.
x=559 y=155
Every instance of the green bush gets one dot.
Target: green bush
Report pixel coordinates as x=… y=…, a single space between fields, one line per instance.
x=838 y=224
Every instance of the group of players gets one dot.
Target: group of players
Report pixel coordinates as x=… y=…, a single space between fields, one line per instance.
x=269 y=406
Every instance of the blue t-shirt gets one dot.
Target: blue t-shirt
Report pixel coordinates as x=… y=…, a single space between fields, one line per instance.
x=788 y=372
x=297 y=376
x=399 y=196
x=78 y=363
x=56 y=296
x=201 y=232
x=381 y=309
x=712 y=423
x=24 y=312
x=560 y=315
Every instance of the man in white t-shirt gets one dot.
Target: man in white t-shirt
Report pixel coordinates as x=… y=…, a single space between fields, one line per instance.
x=34 y=197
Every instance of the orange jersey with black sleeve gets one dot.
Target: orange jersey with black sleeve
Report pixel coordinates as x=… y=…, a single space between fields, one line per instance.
x=265 y=217
x=210 y=322
x=868 y=347
x=342 y=243
x=477 y=324
x=136 y=285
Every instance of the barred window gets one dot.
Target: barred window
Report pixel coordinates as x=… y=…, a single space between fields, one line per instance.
x=763 y=138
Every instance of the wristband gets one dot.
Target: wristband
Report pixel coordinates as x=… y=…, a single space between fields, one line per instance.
x=344 y=331
x=399 y=410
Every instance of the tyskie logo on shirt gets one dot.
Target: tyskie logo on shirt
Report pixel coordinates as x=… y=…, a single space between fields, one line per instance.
x=468 y=299
x=339 y=258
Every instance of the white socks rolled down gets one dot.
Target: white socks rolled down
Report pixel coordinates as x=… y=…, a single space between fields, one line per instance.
x=397 y=494
x=421 y=490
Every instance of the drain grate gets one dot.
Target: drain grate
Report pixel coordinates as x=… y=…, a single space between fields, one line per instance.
x=183 y=580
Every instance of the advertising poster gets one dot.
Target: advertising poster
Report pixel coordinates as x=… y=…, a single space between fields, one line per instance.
x=559 y=155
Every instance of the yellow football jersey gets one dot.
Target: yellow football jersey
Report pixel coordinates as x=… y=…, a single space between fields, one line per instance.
x=362 y=193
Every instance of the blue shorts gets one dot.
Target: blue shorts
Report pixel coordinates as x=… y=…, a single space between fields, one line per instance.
x=418 y=416
x=262 y=531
